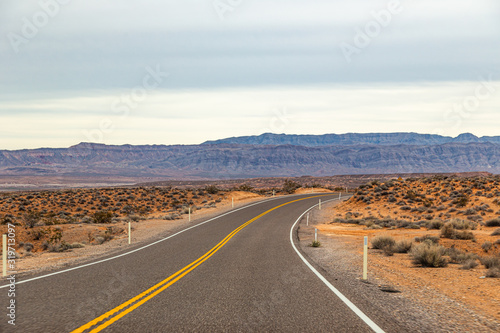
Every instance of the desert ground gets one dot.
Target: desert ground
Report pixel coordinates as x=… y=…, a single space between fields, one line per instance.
x=435 y=239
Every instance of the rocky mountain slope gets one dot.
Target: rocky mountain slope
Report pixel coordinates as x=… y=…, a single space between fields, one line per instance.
x=354 y=139
x=244 y=160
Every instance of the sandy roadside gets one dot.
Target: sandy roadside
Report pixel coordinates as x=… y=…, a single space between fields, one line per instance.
x=435 y=300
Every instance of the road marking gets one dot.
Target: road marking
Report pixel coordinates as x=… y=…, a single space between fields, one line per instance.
x=145 y=296
x=146 y=246
x=344 y=299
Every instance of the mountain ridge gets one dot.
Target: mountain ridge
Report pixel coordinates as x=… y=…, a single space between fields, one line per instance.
x=231 y=160
x=312 y=140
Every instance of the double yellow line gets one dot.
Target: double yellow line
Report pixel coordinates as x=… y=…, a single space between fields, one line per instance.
x=132 y=304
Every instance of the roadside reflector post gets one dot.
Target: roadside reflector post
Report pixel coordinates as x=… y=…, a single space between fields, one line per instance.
x=307 y=219
x=189 y=212
x=340 y=196
x=129 y=233
x=232 y=202
x=315 y=234
x=365 y=259
x=319 y=204
x=4 y=255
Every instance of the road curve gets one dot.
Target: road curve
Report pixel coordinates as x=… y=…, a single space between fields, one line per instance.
x=237 y=273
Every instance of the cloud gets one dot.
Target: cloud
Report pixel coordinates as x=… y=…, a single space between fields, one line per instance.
x=194 y=116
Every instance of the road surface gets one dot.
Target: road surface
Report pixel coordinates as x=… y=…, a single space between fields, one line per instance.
x=236 y=273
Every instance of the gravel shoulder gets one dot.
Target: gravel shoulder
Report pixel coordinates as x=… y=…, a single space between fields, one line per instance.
x=418 y=305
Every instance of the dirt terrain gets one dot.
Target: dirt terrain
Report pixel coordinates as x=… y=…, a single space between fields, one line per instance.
x=56 y=227
x=459 y=219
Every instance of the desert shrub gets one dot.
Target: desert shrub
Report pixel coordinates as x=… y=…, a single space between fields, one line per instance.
x=459 y=257
x=403 y=246
x=31 y=219
x=486 y=246
x=77 y=245
x=493 y=272
x=435 y=224
x=59 y=247
x=28 y=247
x=469 y=264
x=427 y=239
x=428 y=255
x=245 y=187
x=38 y=234
x=463 y=224
x=211 y=189
x=493 y=223
x=103 y=216
x=490 y=262
x=381 y=242
x=290 y=186
x=315 y=244
x=496 y=232
x=448 y=231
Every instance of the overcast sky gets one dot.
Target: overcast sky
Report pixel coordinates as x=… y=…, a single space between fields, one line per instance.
x=182 y=72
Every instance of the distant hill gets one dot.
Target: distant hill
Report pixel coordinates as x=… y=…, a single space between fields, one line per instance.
x=354 y=139
x=223 y=160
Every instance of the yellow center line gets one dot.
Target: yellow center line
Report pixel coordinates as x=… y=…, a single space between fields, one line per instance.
x=161 y=286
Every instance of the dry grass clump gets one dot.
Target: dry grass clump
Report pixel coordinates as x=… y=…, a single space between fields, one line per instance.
x=493 y=223
x=449 y=231
x=428 y=255
x=389 y=246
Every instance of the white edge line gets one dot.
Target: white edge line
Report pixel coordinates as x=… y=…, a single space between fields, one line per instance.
x=146 y=246
x=344 y=299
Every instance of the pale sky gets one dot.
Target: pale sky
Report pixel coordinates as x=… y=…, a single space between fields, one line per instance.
x=183 y=72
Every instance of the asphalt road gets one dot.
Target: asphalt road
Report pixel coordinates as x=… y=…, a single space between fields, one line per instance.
x=251 y=281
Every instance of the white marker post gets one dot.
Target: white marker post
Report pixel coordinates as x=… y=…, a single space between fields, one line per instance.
x=365 y=259
x=129 y=233
x=319 y=204
x=4 y=255
x=274 y=193
x=189 y=213
x=307 y=219
x=340 y=196
x=232 y=202
x=315 y=234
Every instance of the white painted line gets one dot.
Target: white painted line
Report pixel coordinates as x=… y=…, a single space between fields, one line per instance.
x=154 y=243
x=344 y=299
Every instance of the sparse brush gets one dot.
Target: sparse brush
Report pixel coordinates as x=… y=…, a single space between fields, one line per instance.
x=463 y=224
x=435 y=224
x=490 y=262
x=315 y=244
x=428 y=255
x=459 y=257
x=28 y=247
x=493 y=272
x=486 y=246
x=382 y=241
x=403 y=246
x=427 y=238
x=493 y=223
x=496 y=232
x=469 y=264
x=448 y=231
